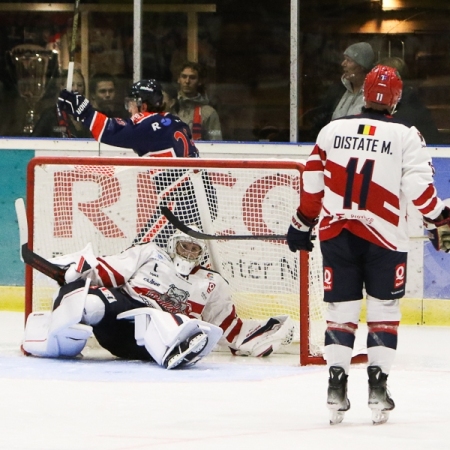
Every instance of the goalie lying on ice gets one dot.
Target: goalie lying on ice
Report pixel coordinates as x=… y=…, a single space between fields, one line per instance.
x=149 y=304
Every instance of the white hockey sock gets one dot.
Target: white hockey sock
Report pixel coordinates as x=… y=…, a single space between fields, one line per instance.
x=338 y=355
x=382 y=357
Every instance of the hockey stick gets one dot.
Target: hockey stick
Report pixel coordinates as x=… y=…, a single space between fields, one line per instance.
x=28 y=256
x=71 y=66
x=154 y=221
x=177 y=223
x=199 y=235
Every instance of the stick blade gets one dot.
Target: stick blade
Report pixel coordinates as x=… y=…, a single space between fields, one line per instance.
x=28 y=256
x=22 y=222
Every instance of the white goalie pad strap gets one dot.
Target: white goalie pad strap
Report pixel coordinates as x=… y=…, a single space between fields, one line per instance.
x=141 y=317
x=264 y=338
x=67 y=342
x=160 y=332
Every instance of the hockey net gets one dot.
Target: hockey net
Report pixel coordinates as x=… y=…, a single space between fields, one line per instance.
x=114 y=203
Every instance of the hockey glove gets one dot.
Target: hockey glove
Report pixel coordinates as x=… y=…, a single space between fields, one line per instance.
x=439 y=230
x=299 y=233
x=262 y=338
x=74 y=104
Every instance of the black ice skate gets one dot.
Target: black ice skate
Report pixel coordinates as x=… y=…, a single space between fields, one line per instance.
x=337 y=401
x=185 y=352
x=380 y=401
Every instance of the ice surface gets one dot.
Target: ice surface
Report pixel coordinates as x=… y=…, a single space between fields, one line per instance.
x=225 y=402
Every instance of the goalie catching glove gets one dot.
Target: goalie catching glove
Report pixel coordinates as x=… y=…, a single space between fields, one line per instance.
x=439 y=230
x=299 y=234
x=74 y=104
x=264 y=338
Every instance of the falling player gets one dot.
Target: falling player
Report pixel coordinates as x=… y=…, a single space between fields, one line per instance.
x=359 y=177
x=149 y=304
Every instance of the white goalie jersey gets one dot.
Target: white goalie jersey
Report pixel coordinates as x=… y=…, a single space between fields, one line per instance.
x=147 y=274
x=370 y=167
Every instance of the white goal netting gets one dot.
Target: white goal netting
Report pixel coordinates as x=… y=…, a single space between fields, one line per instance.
x=114 y=203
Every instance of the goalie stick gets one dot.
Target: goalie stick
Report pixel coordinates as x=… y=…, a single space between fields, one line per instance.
x=177 y=223
x=28 y=256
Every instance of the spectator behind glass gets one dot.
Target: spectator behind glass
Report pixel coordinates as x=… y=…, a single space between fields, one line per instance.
x=195 y=110
x=170 y=98
x=346 y=97
x=410 y=108
x=103 y=92
x=55 y=123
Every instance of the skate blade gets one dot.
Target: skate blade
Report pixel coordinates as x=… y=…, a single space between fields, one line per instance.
x=336 y=417
x=197 y=346
x=379 y=417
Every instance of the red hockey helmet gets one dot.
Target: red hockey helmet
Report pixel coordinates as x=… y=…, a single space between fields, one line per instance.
x=383 y=85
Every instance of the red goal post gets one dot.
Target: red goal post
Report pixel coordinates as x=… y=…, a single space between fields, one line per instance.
x=113 y=203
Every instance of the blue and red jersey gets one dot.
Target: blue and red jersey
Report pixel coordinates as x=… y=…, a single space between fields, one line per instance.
x=147 y=134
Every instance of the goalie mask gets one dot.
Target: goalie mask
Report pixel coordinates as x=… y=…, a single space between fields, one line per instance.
x=186 y=251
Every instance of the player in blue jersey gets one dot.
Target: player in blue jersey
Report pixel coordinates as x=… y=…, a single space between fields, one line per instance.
x=149 y=132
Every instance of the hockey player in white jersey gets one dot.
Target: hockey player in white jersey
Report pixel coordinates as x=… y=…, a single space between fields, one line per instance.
x=358 y=179
x=149 y=304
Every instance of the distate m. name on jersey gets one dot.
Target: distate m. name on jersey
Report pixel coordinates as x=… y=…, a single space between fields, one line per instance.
x=363 y=140
x=367 y=144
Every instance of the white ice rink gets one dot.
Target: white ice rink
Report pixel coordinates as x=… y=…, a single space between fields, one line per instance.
x=222 y=403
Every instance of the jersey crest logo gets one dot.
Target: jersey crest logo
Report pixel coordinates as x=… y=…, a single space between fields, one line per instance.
x=175 y=300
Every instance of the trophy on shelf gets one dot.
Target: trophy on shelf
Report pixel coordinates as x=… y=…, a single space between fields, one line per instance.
x=30 y=64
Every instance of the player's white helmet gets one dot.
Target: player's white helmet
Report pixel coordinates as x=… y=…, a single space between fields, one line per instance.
x=186 y=251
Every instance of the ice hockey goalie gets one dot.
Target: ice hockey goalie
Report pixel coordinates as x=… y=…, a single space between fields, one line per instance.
x=150 y=304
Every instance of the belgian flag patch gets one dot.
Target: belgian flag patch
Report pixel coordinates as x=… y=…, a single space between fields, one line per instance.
x=368 y=130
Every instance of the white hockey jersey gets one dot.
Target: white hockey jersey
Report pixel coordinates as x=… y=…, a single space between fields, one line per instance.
x=147 y=274
x=361 y=174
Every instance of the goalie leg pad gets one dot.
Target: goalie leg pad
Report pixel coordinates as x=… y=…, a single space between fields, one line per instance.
x=66 y=342
x=173 y=340
x=264 y=338
x=59 y=333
